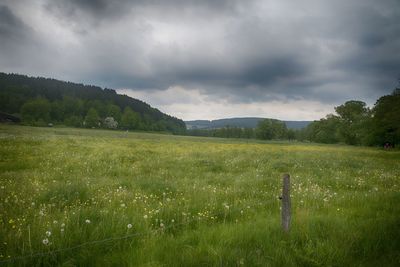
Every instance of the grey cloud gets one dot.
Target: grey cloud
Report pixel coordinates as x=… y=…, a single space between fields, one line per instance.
x=17 y=38
x=241 y=51
x=93 y=12
x=12 y=29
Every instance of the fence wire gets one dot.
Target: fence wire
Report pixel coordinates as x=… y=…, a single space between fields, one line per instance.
x=110 y=239
x=90 y=243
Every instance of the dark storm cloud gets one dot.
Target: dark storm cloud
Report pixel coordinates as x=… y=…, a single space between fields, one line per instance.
x=17 y=40
x=12 y=29
x=242 y=51
x=93 y=12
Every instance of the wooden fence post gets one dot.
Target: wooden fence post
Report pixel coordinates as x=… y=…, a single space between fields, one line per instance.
x=286 y=203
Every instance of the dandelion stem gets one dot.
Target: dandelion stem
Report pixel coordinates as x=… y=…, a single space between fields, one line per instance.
x=29 y=238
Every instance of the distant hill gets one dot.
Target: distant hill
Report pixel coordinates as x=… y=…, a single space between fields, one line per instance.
x=63 y=102
x=250 y=122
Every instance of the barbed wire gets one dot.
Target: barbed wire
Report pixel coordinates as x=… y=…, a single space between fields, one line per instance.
x=94 y=242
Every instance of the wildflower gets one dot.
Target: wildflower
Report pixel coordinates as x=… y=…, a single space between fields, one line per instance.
x=129 y=226
x=48 y=233
x=161 y=225
x=55 y=222
x=87 y=221
x=63 y=225
x=145 y=216
x=45 y=241
x=122 y=205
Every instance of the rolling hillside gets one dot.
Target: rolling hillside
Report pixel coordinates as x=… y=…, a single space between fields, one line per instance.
x=67 y=99
x=250 y=122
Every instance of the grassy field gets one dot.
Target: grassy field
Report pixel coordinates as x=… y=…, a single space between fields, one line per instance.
x=161 y=200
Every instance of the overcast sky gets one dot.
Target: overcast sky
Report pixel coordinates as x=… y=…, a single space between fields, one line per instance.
x=211 y=59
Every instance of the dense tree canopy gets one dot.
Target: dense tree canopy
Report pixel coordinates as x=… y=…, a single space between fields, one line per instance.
x=36 y=111
x=354 y=124
x=386 y=119
x=42 y=101
x=271 y=129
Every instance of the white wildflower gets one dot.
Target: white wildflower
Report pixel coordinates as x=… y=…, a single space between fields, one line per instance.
x=87 y=221
x=145 y=216
x=129 y=226
x=45 y=241
x=48 y=233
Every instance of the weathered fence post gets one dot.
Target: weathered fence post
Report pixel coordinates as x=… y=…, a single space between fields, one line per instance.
x=286 y=203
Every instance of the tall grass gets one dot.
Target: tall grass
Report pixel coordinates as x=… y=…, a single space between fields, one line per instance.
x=192 y=201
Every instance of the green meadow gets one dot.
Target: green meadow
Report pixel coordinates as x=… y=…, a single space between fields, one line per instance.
x=77 y=197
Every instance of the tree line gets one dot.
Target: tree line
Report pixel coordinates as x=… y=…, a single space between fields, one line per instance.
x=356 y=124
x=268 y=129
x=41 y=101
x=353 y=123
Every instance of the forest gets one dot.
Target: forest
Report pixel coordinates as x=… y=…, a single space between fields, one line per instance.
x=43 y=102
x=354 y=124
x=48 y=102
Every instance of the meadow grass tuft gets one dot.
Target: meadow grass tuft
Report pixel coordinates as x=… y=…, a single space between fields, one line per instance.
x=188 y=201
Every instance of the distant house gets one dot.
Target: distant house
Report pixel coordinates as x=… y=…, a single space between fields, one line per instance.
x=4 y=117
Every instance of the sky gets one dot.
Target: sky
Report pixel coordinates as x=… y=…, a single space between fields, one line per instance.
x=210 y=59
